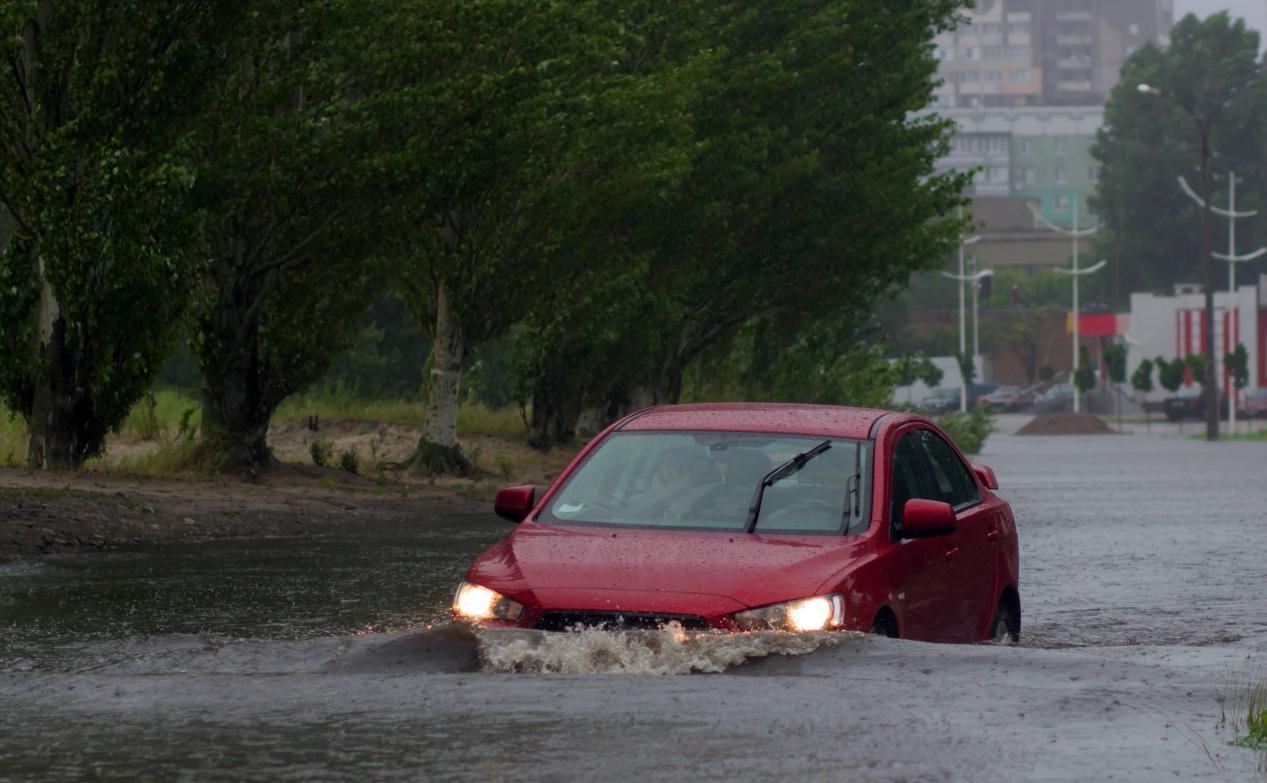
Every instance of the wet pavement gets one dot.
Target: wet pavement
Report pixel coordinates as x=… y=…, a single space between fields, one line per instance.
x=1144 y=585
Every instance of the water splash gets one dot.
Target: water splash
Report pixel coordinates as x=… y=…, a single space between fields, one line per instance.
x=669 y=650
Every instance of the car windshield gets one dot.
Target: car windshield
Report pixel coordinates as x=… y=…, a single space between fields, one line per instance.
x=706 y=481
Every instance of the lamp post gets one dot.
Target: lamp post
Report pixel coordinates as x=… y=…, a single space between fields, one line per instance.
x=1232 y=260
x=1075 y=273
x=975 y=278
x=963 y=347
x=1204 y=123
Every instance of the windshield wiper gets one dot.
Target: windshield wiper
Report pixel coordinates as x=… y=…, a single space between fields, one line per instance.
x=778 y=474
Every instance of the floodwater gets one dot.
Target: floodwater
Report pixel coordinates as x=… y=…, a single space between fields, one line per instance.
x=1144 y=586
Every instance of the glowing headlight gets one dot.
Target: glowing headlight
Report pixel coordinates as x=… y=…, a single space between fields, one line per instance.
x=808 y=614
x=473 y=602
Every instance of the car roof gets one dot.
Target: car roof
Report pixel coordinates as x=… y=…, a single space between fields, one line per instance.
x=833 y=421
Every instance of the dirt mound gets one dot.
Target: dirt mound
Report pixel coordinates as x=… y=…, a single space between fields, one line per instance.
x=1065 y=424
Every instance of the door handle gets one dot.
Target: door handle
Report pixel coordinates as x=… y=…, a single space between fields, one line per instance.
x=951 y=554
x=993 y=535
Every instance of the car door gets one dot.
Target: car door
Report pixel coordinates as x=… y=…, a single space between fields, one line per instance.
x=973 y=558
x=926 y=592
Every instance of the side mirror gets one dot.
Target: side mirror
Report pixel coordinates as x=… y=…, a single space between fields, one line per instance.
x=927 y=518
x=515 y=503
x=986 y=475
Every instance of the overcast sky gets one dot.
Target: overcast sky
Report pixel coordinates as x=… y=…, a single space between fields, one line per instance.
x=1254 y=12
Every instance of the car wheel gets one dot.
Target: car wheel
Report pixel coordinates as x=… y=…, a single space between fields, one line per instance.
x=884 y=625
x=1005 y=629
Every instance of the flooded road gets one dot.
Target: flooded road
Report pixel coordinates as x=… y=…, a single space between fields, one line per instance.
x=1144 y=586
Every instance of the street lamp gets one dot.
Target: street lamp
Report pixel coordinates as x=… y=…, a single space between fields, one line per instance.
x=1232 y=260
x=963 y=347
x=1075 y=273
x=1204 y=123
x=975 y=278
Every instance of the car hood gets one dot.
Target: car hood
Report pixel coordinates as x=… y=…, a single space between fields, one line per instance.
x=562 y=562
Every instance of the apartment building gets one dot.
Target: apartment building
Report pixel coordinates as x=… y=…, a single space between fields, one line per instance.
x=1011 y=53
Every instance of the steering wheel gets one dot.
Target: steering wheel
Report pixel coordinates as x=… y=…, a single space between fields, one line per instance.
x=693 y=493
x=807 y=508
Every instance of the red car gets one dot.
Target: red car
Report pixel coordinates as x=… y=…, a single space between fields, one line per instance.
x=739 y=517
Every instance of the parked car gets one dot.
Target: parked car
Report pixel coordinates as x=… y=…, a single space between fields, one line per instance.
x=947 y=400
x=976 y=391
x=1009 y=399
x=941 y=400
x=1189 y=403
x=728 y=517
x=1253 y=404
x=1057 y=398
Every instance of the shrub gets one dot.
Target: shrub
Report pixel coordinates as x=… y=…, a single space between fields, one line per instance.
x=505 y=466
x=350 y=461
x=1254 y=702
x=968 y=430
x=188 y=428
x=322 y=451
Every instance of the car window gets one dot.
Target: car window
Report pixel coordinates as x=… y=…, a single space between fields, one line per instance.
x=707 y=481
x=909 y=478
x=954 y=482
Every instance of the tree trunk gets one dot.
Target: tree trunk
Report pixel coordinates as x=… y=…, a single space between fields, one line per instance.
x=438 y=449
x=234 y=421
x=668 y=385
x=236 y=409
x=58 y=436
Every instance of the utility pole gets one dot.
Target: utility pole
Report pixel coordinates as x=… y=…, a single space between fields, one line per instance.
x=1204 y=122
x=1232 y=260
x=1075 y=273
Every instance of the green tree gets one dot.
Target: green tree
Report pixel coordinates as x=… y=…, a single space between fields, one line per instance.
x=796 y=213
x=1084 y=378
x=1171 y=373
x=1142 y=378
x=1142 y=382
x=1115 y=364
x=967 y=368
x=95 y=225
x=1153 y=232
x=1025 y=333
x=917 y=367
x=1237 y=363
x=1194 y=363
x=295 y=177
x=550 y=127
x=791 y=212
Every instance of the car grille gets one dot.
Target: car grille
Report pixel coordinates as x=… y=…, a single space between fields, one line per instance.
x=556 y=620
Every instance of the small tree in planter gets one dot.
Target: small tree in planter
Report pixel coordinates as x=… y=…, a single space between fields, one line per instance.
x=1084 y=378
x=1115 y=363
x=1237 y=363
x=1142 y=382
x=1171 y=375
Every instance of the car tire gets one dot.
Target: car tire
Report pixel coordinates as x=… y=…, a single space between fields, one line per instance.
x=884 y=625
x=1005 y=628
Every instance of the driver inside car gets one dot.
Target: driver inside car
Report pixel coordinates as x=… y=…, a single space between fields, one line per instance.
x=681 y=478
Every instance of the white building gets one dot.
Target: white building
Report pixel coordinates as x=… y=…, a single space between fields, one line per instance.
x=1172 y=327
